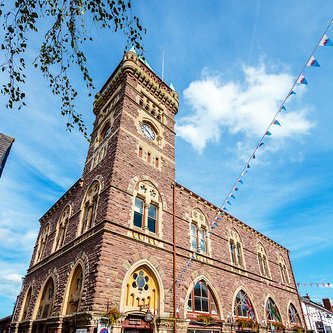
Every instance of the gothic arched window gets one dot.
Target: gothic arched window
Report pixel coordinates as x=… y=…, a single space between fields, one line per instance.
x=46 y=301
x=61 y=228
x=283 y=270
x=42 y=243
x=272 y=311
x=199 y=236
x=75 y=291
x=263 y=262
x=147 y=208
x=243 y=306
x=90 y=206
x=26 y=304
x=236 y=248
x=201 y=299
x=293 y=316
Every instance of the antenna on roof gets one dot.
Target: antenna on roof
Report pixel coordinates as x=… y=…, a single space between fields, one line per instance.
x=163 y=65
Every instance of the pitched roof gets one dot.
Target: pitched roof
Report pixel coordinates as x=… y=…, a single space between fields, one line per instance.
x=5 y=145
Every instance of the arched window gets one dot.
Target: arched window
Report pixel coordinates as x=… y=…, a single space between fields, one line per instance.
x=105 y=132
x=75 y=291
x=26 y=305
x=61 y=228
x=272 y=311
x=147 y=208
x=142 y=291
x=283 y=270
x=243 y=306
x=42 y=243
x=46 y=301
x=201 y=299
x=236 y=248
x=199 y=239
x=263 y=262
x=90 y=206
x=293 y=316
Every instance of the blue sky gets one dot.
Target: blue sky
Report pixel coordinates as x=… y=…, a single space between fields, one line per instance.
x=231 y=62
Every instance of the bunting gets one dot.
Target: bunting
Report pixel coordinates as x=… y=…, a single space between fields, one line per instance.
x=301 y=79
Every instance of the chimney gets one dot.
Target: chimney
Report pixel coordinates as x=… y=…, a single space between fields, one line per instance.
x=327 y=304
x=307 y=297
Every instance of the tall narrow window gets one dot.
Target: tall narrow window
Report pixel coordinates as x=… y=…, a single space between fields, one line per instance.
x=236 y=250
x=293 y=316
x=26 y=305
x=90 y=206
x=198 y=232
x=263 y=262
x=243 y=306
x=283 y=270
x=62 y=228
x=46 y=302
x=152 y=217
x=75 y=291
x=201 y=299
x=272 y=311
x=42 y=243
x=147 y=208
x=138 y=212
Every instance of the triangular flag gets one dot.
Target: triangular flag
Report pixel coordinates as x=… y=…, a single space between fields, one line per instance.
x=228 y=202
x=313 y=62
x=240 y=181
x=276 y=122
x=325 y=41
x=232 y=196
x=283 y=108
x=224 y=208
x=298 y=284
x=236 y=188
x=217 y=218
x=254 y=156
x=292 y=93
x=268 y=133
x=248 y=166
x=261 y=144
x=302 y=80
x=244 y=173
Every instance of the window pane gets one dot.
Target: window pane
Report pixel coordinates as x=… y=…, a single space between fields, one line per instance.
x=151 y=225
x=138 y=205
x=205 y=305
x=137 y=219
x=197 y=304
x=197 y=289
x=194 y=243
x=202 y=234
x=204 y=290
x=189 y=303
x=152 y=211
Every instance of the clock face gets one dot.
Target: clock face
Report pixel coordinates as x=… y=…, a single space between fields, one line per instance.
x=148 y=132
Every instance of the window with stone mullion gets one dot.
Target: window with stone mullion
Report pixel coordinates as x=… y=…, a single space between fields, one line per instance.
x=152 y=217
x=138 y=212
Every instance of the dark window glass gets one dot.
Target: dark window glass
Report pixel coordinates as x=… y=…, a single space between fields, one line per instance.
x=138 y=212
x=152 y=214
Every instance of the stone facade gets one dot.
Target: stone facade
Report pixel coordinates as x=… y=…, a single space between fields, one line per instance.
x=127 y=241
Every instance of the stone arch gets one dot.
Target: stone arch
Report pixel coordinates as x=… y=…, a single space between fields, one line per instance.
x=147 y=267
x=24 y=311
x=269 y=296
x=36 y=312
x=61 y=227
x=137 y=179
x=289 y=304
x=203 y=277
x=251 y=297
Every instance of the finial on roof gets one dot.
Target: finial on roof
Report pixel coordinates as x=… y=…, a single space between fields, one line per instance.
x=172 y=87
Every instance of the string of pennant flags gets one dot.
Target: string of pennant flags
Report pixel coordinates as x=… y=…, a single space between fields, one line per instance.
x=300 y=80
x=315 y=284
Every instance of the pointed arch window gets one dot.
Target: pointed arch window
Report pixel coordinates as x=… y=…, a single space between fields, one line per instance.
x=236 y=249
x=105 y=132
x=90 y=206
x=147 y=208
x=142 y=291
x=272 y=311
x=201 y=299
x=75 y=291
x=47 y=299
x=62 y=228
x=42 y=243
x=283 y=270
x=26 y=305
x=294 y=318
x=243 y=306
x=263 y=262
x=199 y=240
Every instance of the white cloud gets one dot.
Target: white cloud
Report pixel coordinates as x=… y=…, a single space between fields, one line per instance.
x=240 y=108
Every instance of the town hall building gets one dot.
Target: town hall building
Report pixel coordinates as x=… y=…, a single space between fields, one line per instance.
x=127 y=248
